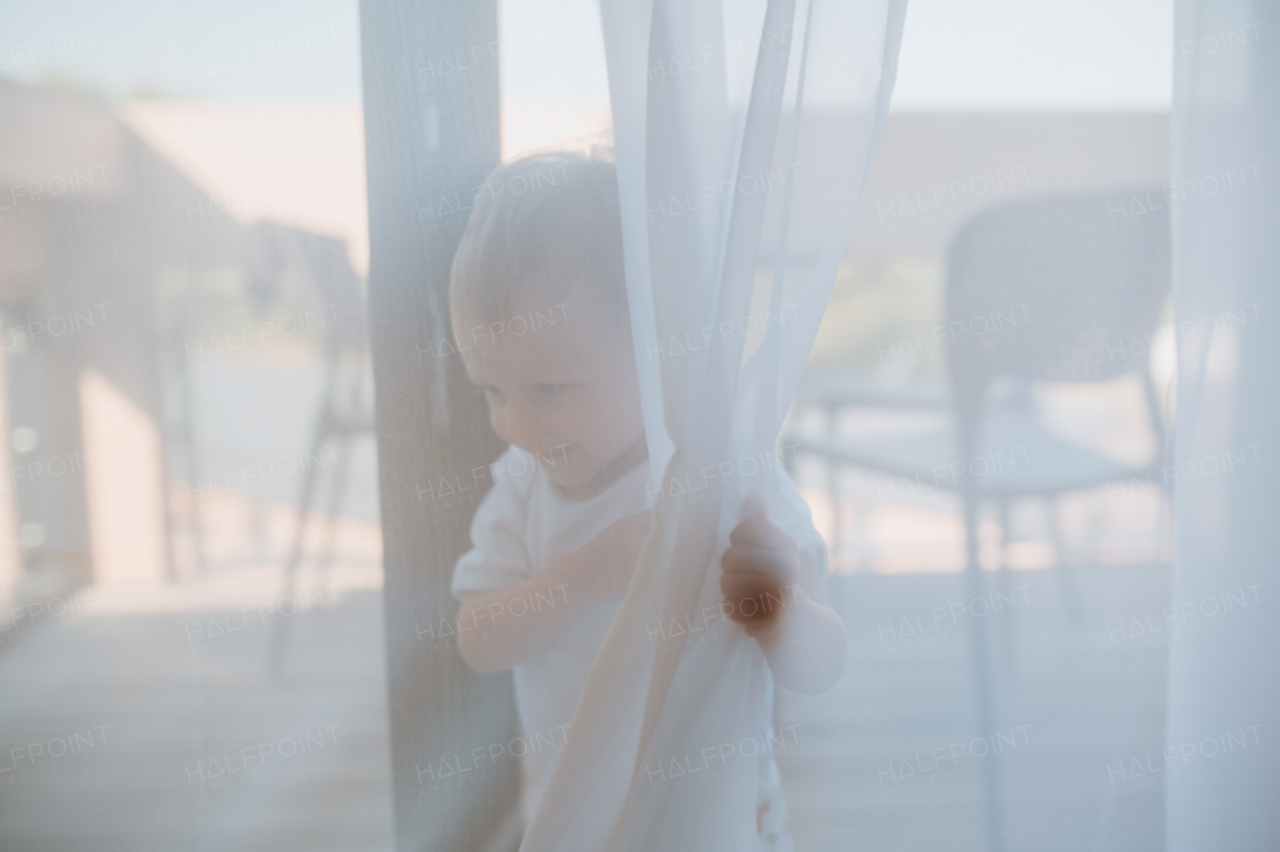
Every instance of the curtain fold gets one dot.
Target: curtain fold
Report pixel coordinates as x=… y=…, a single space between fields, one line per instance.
x=1223 y=694
x=737 y=188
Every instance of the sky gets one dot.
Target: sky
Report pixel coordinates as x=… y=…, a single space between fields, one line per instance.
x=1019 y=55
x=957 y=55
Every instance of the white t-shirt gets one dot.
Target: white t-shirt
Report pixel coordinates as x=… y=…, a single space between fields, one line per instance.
x=525 y=524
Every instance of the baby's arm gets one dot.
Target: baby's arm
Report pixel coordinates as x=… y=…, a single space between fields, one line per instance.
x=492 y=638
x=782 y=602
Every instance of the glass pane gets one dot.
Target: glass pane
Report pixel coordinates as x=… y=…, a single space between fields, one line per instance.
x=190 y=550
x=222 y=224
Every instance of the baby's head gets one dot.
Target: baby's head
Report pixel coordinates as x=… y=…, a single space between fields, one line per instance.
x=538 y=305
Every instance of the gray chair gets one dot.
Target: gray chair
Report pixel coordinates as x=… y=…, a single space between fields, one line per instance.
x=344 y=415
x=1047 y=289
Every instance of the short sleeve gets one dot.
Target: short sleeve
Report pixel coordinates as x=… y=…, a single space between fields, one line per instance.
x=498 y=556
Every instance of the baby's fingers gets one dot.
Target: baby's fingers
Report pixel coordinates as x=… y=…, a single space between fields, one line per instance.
x=761 y=532
x=752 y=599
x=735 y=586
x=745 y=559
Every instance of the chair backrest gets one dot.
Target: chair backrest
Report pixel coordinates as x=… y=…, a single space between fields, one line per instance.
x=1064 y=288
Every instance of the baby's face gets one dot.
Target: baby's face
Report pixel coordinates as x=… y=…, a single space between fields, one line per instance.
x=560 y=378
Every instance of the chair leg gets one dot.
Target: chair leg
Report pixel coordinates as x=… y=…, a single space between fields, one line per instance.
x=980 y=660
x=833 y=494
x=1007 y=615
x=833 y=481
x=863 y=538
x=1068 y=583
x=337 y=492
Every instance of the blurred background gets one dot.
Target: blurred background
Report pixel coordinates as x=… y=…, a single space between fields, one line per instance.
x=191 y=648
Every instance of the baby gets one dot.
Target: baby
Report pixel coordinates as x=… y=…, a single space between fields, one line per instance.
x=539 y=312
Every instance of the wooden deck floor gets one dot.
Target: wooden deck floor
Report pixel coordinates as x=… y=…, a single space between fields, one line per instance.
x=892 y=759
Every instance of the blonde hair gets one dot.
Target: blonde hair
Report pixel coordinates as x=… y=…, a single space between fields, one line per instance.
x=548 y=220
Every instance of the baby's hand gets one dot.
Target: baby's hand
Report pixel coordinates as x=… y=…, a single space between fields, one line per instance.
x=610 y=558
x=761 y=568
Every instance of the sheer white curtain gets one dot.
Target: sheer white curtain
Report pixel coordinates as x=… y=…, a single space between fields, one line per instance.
x=1224 y=690
x=743 y=132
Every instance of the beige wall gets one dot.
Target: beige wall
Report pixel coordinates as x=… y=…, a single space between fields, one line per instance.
x=931 y=172
x=124 y=481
